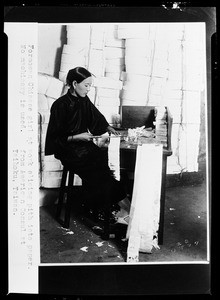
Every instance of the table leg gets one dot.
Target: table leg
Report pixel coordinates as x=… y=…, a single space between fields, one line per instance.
x=162 y=201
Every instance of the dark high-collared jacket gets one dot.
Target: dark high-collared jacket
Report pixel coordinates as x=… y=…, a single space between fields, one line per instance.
x=71 y=115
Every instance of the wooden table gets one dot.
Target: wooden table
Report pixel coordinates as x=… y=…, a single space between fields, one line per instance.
x=128 y=160
x=127 y=164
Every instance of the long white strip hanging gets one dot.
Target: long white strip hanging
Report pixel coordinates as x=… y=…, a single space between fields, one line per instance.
x=114 y=156
x=145 y=204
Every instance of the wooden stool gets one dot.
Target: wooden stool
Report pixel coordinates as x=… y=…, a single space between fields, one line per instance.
x=66 y=221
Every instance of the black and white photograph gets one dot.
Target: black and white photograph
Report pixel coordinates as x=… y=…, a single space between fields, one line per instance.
x=144 y=88
x=108 y=140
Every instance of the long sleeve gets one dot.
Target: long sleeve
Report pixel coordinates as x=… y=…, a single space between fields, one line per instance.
x=97 y=123
x=70 y=116
x=56 y=131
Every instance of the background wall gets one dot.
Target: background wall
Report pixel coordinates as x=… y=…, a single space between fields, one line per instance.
x=51 y=41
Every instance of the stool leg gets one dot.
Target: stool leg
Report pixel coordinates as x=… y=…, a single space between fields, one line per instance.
x=61 y=194
x=68 y=200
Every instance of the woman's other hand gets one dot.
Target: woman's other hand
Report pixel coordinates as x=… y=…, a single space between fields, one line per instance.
x=112 y=130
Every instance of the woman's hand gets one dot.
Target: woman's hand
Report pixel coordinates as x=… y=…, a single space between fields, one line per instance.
x=85 y=137
x=112 y=130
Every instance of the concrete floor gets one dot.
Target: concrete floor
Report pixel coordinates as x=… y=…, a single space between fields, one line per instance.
x=185 y=234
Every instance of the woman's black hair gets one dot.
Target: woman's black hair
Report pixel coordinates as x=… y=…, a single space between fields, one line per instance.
x=78 y=74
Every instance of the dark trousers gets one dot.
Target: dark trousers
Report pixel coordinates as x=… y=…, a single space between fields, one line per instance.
x=97 y=178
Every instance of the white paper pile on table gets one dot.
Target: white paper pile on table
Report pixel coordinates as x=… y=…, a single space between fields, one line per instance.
x=161 y=125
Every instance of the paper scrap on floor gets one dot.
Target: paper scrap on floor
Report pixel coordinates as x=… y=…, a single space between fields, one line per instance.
x=145 y=204
x=85 y=249
x=99 y=244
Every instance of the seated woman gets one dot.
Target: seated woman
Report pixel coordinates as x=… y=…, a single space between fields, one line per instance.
x=73 y=121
